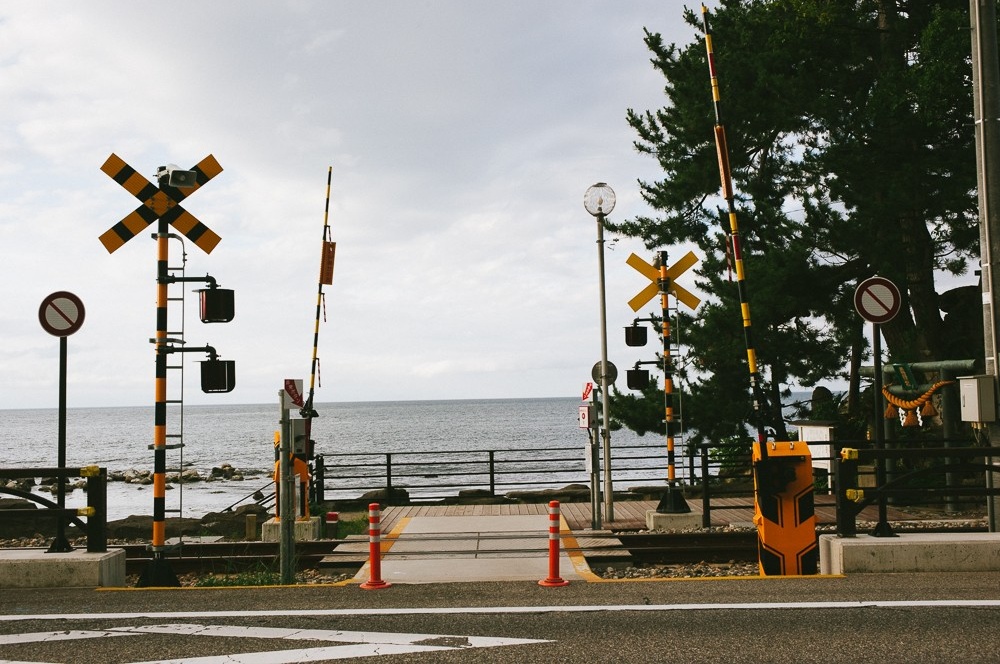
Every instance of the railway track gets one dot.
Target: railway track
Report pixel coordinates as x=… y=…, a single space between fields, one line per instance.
x=227 y=557
x=691 y=547
x=639 y=548
x=234 y=557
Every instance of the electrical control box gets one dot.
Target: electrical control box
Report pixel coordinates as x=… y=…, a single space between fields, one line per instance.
x=978 y=398
x=300 y=440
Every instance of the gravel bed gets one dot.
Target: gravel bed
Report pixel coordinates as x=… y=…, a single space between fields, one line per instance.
x=930 y=520
x=306 y=577
x=693 y=571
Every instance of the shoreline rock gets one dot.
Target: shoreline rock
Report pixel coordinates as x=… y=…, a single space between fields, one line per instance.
x=20 y=518
x=141 y=477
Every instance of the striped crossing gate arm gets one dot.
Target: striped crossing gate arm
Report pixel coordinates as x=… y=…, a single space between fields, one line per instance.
x=782 y=471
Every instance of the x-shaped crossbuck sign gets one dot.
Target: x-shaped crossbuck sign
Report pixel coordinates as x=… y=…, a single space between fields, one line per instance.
x=161 y=202
x=653 y=274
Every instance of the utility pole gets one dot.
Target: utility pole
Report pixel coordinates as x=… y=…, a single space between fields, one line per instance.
x=286 y=499
x=986 y=113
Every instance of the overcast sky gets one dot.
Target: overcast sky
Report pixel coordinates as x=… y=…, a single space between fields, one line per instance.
x=462 y=136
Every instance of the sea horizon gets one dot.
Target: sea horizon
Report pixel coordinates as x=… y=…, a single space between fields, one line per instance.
x=275 y=404
x=242 y=435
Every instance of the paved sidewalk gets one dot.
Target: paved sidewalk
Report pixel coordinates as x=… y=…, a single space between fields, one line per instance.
x=436 y=549
x=456 y=543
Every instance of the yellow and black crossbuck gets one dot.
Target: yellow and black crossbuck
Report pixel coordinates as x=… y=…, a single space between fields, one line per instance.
x=161 y=202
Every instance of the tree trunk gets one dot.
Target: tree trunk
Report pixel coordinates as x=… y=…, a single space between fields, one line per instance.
x=923 y=298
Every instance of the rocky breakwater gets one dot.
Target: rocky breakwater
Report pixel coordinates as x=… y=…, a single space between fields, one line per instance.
x=21 y=519
x=224 y=472
x=191 y=475
x=21 y=516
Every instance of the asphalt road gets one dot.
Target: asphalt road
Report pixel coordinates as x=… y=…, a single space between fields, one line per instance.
x=861 y=618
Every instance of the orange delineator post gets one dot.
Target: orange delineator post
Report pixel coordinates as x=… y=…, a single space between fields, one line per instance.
x=374 y=581
x=553 y=579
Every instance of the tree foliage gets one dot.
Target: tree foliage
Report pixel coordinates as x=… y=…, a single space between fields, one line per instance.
x=849 y=125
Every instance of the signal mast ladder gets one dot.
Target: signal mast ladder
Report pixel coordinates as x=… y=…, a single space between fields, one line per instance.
x=174 y=402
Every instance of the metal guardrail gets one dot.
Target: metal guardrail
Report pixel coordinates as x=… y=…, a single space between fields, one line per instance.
x=704 y=474
x=96 y=511
x=430 y=475
x=932 y=483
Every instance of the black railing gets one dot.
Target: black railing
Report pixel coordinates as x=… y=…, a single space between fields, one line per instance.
x=96 y=511
x=942 y=477
x=432 y=475
x=945 y=478
x=429 y=476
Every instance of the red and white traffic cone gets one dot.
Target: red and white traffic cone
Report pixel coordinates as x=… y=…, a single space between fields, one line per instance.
x=374 y=581
x=554 y=580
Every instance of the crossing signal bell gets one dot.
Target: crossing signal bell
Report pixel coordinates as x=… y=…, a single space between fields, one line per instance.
x=177 y=178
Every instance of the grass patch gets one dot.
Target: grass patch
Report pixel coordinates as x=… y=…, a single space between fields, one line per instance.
x=353 y=524
x=261 y=576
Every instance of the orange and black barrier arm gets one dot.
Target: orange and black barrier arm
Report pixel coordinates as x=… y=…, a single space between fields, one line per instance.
x=325 y=277
x=722 y=151
x=784 y=506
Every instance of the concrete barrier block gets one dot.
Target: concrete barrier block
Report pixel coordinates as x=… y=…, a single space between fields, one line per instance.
x=683 y=521
x=305 y=531
x=35 y=568
x=910 y=552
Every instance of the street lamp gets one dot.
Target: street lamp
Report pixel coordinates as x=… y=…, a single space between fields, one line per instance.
x=599 y=200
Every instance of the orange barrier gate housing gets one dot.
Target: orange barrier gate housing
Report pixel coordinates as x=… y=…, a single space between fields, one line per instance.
x=784 y=509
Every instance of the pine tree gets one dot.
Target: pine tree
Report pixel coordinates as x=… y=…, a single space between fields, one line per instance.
x=851 y=146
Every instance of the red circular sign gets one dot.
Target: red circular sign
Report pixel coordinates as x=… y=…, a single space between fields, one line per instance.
x=61 y=314
x=877 y=300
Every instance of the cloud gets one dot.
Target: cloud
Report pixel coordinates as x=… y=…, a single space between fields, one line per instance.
x=461 y=136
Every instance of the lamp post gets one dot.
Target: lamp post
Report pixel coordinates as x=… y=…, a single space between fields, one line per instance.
x=986 y=104
x=599 y=200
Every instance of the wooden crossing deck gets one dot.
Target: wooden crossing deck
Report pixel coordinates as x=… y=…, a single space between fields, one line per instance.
x=629 y=514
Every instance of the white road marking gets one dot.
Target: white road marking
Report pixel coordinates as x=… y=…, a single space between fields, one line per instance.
x=372 y=644
x=398 y=638
x=356 y=644
x=62 y=635
x=301 y=655
x=458 y=610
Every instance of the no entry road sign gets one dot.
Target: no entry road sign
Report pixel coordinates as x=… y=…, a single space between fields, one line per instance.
x=877 y=300
x=61 y=314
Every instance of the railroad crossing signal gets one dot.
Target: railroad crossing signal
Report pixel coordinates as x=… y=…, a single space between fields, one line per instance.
x=161 y=202
x=653 y=274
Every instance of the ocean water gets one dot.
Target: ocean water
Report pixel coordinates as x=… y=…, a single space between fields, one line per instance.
x=243 y=436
